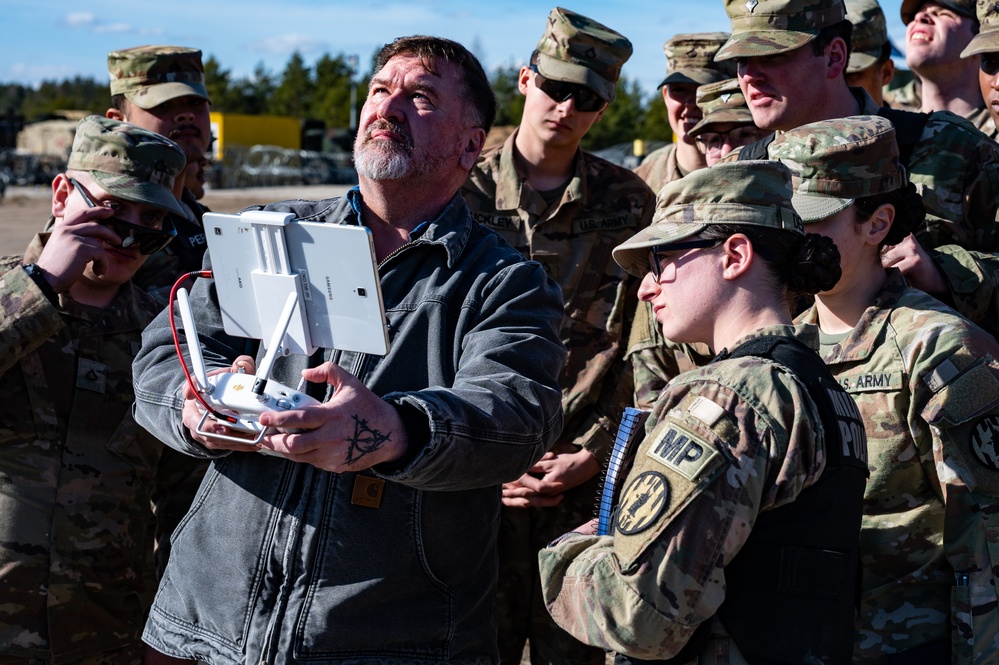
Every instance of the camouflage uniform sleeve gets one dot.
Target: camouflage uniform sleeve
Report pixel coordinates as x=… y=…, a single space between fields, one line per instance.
x=705 y=468
x=973 y=283
x=27 y=318
x=962 y=411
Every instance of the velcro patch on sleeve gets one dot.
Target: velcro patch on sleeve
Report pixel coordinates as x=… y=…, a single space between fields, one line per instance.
x=682 y=452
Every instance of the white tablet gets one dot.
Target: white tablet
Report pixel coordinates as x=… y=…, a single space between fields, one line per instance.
x=339 y=285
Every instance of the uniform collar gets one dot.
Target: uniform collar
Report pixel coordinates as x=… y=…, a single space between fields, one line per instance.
x=512 y=193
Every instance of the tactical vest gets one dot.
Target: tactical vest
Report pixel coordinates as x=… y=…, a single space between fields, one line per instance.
x=908 y=133
x=792 y=590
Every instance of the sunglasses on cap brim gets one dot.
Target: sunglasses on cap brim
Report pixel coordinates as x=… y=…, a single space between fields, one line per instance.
x=586 y=99
x=148 y=241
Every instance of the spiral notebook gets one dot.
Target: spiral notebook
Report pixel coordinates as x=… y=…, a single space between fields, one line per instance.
x=629 y=435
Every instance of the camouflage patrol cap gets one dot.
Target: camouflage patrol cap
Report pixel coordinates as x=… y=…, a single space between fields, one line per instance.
x=838 y=161
x=721 y=102
x=987 y=40
x=690 y=58
x=752 y=192
x=910 y=8
x=151 y=75
x=769 y=27
x=128 y=162
x=869 y=36
x=579 y=50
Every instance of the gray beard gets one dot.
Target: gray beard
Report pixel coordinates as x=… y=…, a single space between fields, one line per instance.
x=376 y=164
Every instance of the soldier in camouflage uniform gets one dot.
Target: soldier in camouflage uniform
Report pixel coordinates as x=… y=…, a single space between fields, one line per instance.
x=726 y=123
x=76 y=471
x=162 y=89
x=986 y=45
x=926 y=382
x=566 y=209
x=953 y=165
x=937 y=31
x=747 y=464
x=870 y=66
x=689 y=64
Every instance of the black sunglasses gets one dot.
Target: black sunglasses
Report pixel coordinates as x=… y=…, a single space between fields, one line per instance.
x=656 y=267
x=149 y=241
x=990 y=64
x=587 y=100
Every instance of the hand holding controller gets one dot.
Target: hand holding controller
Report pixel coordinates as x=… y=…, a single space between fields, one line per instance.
x=232 y=394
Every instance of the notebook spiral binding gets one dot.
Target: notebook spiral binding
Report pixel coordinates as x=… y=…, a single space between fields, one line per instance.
x=629 y=435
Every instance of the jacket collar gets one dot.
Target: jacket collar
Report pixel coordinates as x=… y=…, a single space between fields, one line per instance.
x=858 y=345
x=450 y=229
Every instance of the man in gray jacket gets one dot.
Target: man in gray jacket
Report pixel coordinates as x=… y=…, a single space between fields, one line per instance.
x=373 y=536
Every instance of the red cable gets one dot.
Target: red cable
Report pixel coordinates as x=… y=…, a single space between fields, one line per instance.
x=180 y=356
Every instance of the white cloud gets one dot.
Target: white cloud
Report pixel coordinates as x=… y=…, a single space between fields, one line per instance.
x=78 y=19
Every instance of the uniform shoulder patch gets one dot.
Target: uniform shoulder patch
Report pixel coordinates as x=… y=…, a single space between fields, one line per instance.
x=985 y=442
x=642 y=502
x=682 y=452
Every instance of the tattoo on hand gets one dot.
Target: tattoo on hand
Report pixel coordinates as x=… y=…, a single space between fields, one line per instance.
x=365 y=440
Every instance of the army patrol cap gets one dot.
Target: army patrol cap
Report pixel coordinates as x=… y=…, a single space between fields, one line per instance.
x=835 y=162
x=751 y=192
x=987 y=40
x=769 y=27
x=910 y=8
x=690 y=58
x=577 y=49
x=870 y=34
x=128 y=162
x=151 y=75
x=721 y=102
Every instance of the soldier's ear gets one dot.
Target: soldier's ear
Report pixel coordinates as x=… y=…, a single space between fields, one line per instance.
x=879 y=224
x=836 y=57
x=115 y=114
x=61 y=189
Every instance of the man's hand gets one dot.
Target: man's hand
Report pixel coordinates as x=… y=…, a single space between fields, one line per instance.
x=193 y=412
x=916 y=265
x=353 y=431
x=75 y=242
x=544 y=484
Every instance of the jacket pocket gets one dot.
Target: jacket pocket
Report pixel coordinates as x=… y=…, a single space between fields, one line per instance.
x=370 y=565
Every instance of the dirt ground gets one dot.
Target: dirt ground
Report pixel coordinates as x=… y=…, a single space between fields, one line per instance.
x=24 y=210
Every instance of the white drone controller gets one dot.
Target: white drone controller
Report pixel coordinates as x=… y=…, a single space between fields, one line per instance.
x=242 y=396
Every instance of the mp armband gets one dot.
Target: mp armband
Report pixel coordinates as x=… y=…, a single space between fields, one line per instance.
x=35 y=273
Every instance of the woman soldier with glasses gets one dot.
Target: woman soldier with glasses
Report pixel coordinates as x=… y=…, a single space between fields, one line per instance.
x=738 y=524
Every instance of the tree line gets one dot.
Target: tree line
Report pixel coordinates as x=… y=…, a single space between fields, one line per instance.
x=322 y=91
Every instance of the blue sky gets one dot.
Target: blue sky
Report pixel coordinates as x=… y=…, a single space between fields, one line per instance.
x=47 y=39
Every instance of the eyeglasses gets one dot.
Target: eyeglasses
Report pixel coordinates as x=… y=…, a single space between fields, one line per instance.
x=735 y=137
x=990 y=64
x=656 y=261
x=587 y=100
x=149 y=241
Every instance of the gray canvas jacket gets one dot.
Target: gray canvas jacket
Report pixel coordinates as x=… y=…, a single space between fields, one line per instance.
x=274 y=563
